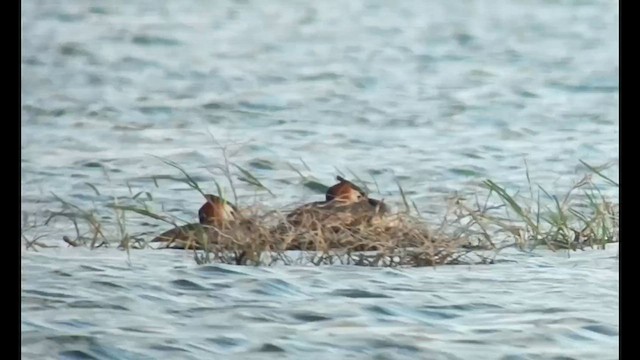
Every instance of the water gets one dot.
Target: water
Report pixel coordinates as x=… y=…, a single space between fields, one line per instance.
x=164 y=305
x=435 y=95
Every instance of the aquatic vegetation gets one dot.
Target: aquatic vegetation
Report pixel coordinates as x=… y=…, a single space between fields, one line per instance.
x=470 y=232
x=569 y=223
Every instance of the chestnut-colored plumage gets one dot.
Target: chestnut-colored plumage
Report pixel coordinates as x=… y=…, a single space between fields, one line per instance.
x=345 y=204
x=216 y=215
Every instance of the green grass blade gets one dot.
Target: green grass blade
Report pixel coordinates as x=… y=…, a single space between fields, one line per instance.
x=252 y=180
x=93 y=187
x=143 y=212
x=599 y=173
x=502 y=193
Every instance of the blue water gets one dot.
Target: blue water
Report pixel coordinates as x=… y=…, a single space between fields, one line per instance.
x=435 y=95
x=163 y=305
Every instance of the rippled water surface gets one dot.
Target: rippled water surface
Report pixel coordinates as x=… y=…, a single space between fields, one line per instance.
x=160 y=305
x=437 y=95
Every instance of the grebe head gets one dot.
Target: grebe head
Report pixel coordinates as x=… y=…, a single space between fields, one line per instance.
x=216 y=211
x=345 y=191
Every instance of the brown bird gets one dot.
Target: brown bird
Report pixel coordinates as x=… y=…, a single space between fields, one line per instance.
x=345 y=204
x=216 y=216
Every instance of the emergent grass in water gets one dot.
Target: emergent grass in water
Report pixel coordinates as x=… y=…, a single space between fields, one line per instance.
x=468 y=233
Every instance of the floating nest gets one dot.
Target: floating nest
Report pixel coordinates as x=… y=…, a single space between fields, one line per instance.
x=321 y=237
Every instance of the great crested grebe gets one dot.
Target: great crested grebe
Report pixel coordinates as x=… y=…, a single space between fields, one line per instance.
x=215 y=215
x=345 y=205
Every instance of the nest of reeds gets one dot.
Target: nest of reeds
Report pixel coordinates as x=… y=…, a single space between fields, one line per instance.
x=394 y=240
x=403 y=239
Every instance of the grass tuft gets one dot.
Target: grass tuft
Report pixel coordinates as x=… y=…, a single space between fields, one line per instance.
x=470 y=231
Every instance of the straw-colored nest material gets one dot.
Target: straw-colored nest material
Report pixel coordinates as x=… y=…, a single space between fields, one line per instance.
x=334 y=213
x=398 y=257
x=392 y=241
x=356 y=233
x=319 y=231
